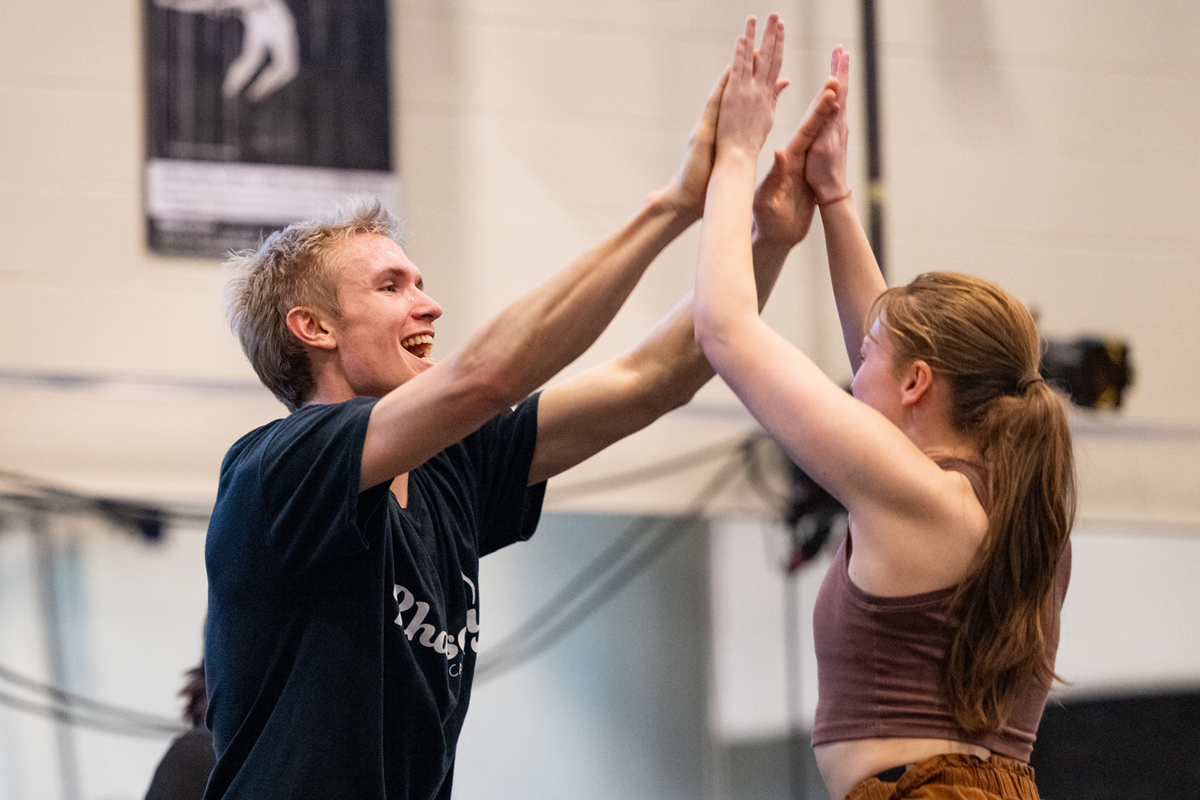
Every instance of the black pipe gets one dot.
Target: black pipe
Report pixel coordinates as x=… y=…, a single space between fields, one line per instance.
x=874 y=168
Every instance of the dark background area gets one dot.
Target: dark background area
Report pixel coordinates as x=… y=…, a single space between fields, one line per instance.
x=1144 y=747
x=1132 y=748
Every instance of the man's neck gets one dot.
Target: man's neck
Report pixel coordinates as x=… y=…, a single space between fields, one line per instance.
x=329 y=392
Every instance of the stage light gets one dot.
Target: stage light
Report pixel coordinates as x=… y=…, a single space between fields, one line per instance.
x=1094 y=372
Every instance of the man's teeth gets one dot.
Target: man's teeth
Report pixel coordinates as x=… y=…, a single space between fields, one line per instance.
x=419 y=346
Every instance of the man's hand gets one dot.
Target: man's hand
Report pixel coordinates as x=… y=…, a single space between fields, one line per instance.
x=825 y=170
x=687 y=189
x=784 y=203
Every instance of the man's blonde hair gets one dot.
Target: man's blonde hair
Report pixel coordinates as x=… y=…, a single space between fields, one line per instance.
x=294 y=267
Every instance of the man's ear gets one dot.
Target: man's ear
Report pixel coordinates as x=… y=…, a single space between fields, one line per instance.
x=916 y=380
x=308 y=325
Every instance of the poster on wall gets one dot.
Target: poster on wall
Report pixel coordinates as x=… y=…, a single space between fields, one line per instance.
x=259 y=113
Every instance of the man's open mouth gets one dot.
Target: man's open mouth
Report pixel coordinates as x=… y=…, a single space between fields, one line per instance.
x=419 y=346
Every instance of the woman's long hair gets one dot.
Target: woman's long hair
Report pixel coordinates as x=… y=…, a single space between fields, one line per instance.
x=986 y=345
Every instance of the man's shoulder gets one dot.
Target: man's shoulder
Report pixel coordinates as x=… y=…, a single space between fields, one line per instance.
x=309 y=420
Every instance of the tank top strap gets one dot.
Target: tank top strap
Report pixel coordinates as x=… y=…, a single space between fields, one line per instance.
x=975 y=473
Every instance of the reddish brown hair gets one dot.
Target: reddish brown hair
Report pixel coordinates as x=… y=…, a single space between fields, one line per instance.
x=986 y=345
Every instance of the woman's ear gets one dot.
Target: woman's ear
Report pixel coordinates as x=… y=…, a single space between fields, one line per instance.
x=916 y=380
x=310 y=328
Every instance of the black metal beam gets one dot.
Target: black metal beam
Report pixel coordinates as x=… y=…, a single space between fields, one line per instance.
x=874 y=166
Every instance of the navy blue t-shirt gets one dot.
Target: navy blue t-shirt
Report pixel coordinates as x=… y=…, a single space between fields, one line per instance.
x=342 y=628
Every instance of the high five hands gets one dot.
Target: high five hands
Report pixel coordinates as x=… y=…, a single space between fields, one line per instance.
x=784 y=202
x=740 y=111
x=748 y=105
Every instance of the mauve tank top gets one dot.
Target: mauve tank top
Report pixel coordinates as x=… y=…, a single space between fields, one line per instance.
x=879 y=661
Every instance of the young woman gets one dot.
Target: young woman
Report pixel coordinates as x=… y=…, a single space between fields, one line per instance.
x=937 y=625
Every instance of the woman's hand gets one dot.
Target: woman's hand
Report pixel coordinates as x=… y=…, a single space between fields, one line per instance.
x=748 y=105
x=825 y=169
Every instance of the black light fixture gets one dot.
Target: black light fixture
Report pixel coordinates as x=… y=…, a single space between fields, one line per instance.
x=148 y=521
x=1093 y=372
x=811 y=516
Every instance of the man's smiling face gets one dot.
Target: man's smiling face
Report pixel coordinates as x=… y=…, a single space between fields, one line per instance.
x=384 y=333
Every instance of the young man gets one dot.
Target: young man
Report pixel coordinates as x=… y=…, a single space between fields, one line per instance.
x=343 y=548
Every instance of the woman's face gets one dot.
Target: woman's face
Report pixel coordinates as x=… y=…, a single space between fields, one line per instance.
x=877 y=382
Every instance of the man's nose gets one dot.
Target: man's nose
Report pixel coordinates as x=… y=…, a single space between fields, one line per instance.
x=427 y=307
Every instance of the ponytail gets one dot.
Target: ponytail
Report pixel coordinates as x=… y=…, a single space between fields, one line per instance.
x=986 y=345
x=1005 y=609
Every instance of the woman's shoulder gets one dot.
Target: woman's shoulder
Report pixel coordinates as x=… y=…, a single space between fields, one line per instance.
x=931 y=544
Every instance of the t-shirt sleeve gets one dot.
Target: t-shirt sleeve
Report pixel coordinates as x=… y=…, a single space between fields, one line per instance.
x=503 y=451
x=309 y=474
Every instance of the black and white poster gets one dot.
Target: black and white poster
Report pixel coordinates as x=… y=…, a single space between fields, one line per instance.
x=259 y=113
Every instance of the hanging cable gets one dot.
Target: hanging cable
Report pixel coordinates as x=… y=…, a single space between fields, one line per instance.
x=669 y=466
x=117 y=714
x=148 y=730
x=629 y=540
x=146 y=518
x=639 y=546
x=598 y=582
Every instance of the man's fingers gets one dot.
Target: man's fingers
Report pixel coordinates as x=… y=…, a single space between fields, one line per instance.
x=843 y=75
x=823 y=107
x=766 y=49
x=712 y=107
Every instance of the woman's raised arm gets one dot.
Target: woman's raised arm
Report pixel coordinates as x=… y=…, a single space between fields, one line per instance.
x=853 y=270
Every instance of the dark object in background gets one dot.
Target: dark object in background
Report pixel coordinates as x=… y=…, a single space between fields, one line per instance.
x=1093 y=372
x=183 y=772
x=1132 y=748
x=811 y=517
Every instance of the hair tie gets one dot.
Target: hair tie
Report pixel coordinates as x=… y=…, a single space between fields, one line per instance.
x=838 y=199
x=1028 y=380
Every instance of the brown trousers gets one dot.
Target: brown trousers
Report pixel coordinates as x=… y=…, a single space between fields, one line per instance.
x=954 y=777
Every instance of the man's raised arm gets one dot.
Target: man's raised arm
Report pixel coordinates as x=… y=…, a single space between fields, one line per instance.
x=585 y=414
x=535 y=337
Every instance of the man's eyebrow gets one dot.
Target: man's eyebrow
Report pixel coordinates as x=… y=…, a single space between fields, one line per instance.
x=404 y=272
